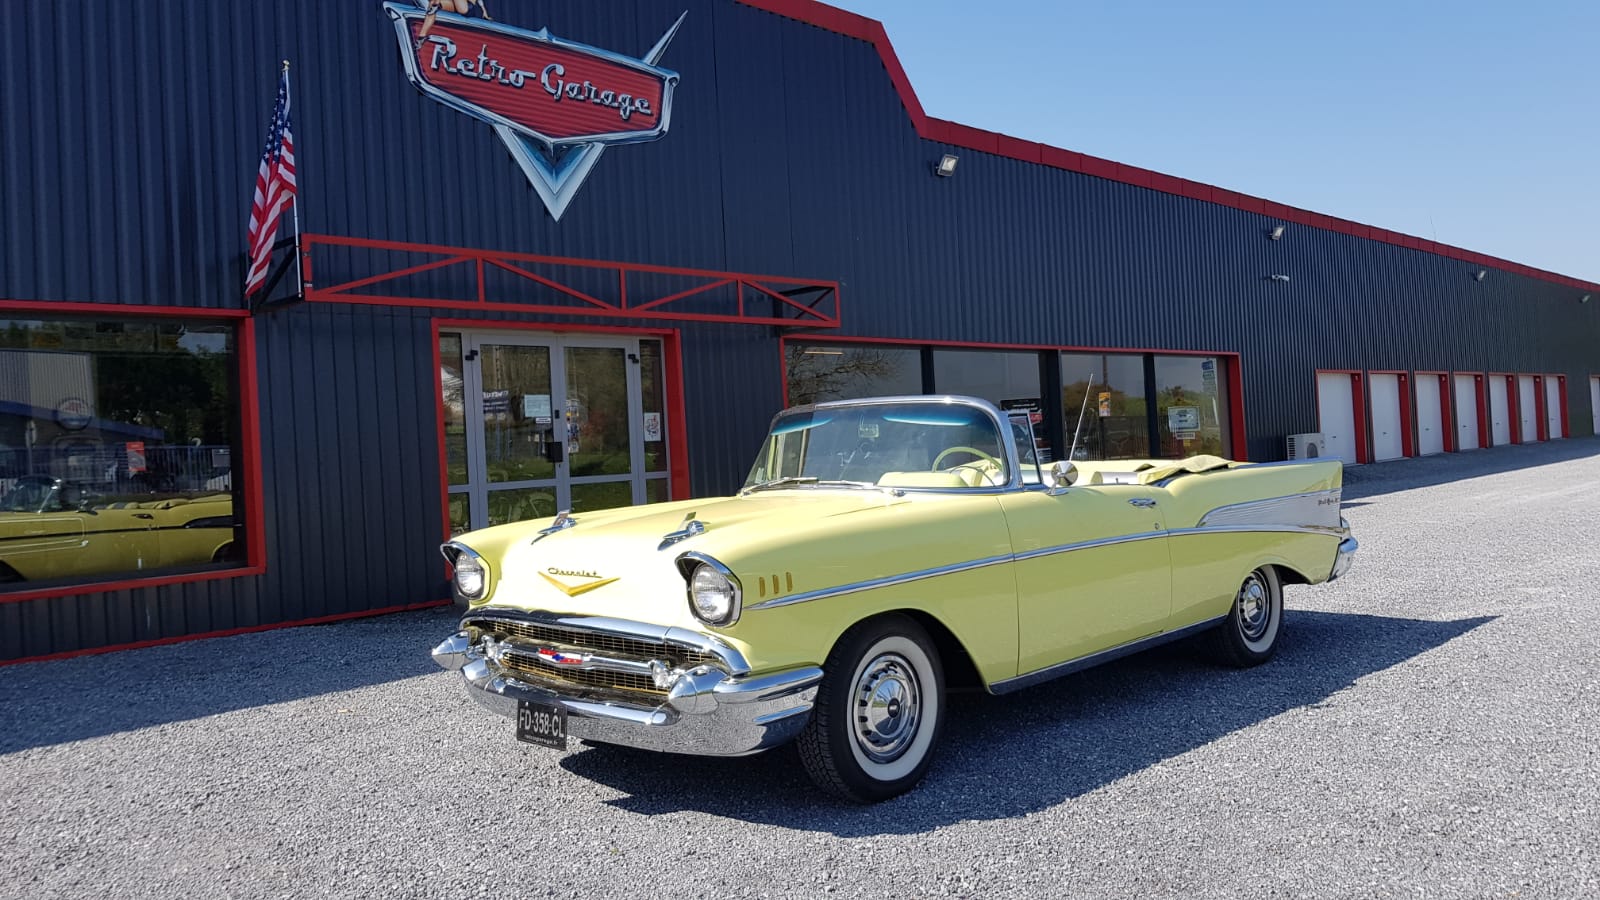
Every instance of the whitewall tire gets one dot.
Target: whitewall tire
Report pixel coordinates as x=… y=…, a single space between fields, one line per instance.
x=878 y=714
x=1249 y=635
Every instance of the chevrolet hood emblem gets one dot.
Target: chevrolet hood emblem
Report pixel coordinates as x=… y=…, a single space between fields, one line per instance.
x=591 y=581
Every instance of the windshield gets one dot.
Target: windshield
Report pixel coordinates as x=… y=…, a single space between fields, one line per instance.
x=915 y=445
x=31 y=494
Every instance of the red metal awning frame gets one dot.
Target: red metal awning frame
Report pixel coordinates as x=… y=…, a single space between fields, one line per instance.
x=800 y=302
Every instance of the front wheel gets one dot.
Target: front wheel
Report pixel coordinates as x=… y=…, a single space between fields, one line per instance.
x=878 y=713
x=1249 y=635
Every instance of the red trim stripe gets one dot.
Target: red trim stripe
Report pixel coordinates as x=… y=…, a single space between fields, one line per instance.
x=230 y=632
x=942 y=131
x=119 y=309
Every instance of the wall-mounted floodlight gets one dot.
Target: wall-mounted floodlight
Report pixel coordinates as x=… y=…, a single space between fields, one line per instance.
x=1584 y=299
x=1276 y=233
x=1482 y=274
x=1277 y=278
x=946 y=166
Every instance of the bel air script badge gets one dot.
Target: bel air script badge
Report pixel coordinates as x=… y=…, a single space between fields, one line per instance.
x=556 y=104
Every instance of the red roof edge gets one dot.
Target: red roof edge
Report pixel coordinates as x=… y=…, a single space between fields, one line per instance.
x=849 y=24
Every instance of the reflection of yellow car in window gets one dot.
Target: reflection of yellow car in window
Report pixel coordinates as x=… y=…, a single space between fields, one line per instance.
x=880 y=551
x=51 y=529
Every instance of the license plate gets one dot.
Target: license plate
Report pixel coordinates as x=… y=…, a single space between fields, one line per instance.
x=542 y=723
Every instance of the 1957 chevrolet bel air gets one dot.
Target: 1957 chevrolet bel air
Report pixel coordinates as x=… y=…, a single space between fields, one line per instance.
x=881 y=552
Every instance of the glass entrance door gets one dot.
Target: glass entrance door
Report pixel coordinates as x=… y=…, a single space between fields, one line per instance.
x=559 y=423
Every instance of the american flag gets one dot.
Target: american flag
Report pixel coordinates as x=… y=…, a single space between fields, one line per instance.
x=275 y=188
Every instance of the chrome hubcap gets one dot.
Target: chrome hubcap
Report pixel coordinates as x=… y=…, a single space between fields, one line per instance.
x=887 y=707
x=1255 y=612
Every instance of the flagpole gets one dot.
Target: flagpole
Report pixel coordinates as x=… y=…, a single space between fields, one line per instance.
x=294 y=202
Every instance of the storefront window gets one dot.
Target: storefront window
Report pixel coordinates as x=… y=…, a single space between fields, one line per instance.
x=1007 y=378
x=1191 y=406
x=455 y=409
x=818 y=373
x=653 y=393
x=118 y=449
x=1109 y=391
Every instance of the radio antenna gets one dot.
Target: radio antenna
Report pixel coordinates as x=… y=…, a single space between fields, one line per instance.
x=1072 y=454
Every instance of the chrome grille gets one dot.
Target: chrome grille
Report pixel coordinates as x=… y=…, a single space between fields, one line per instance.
x=585 y=641
x=594 y=678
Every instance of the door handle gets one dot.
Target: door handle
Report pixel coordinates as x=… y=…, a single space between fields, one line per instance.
x=1142 y=502
x=143 y=516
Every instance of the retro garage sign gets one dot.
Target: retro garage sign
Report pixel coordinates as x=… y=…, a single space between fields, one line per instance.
x=557 y=104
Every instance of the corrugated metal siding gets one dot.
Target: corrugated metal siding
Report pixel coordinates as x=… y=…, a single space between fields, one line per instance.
x=125 y=177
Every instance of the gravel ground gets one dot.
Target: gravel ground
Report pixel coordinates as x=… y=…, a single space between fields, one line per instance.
x=1427 y=730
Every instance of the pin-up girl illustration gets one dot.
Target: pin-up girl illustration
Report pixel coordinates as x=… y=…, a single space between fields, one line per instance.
x=464 y=8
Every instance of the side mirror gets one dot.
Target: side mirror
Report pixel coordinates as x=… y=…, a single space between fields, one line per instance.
x=1061 y=474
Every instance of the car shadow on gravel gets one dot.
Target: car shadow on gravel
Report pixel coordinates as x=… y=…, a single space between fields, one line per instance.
x=56 y=701
x=1008 y=756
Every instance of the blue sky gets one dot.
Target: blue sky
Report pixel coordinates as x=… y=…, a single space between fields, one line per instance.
x=1472 y=123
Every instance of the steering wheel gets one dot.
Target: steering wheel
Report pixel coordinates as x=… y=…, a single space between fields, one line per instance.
x=972 y=450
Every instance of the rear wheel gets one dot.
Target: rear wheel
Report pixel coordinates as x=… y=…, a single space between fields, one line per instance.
x=1249 y=635
x=878 y=713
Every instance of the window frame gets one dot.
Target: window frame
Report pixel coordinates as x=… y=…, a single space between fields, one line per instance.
x=248 y=455
x=1235 y=430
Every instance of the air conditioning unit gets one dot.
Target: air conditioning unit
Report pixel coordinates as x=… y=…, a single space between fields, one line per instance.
x=1305 y=446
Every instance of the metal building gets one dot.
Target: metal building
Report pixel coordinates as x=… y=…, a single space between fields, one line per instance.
x=576 y=256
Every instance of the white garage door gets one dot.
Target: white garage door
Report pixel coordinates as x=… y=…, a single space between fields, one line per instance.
x=1527 y=409
x=1552 y=406
x=1594 y=403
x=1430 y=415
x=1336 y=416
x=1466 y=412
x=1387 y=439
x=1499 y=411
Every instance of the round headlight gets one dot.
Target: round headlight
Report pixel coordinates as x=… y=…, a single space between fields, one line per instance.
x=713 y=595
x=470 y=577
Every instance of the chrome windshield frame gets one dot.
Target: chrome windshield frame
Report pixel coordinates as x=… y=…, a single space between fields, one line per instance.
x=1008 y=441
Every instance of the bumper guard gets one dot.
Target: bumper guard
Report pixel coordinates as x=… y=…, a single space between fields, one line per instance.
x=707 y=711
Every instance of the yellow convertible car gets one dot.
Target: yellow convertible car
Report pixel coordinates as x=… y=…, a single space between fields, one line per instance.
x=881 y=552
x=51 y=529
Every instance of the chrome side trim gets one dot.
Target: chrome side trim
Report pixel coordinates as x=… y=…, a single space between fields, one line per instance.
x=731 y=658
x=922 y=574
x=1007 y=685
x=889 y=581
x=1323 y=530
x=1315 y=508
x=1089 y=545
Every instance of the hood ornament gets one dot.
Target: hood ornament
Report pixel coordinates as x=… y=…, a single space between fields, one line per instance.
x=563 y=521
x=690 y=527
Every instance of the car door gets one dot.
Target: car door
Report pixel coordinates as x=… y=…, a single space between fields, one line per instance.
x=1092 y=567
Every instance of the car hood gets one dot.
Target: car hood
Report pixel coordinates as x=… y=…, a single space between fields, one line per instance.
x=618 y=563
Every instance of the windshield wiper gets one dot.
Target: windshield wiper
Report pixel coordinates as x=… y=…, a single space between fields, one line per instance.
x=808 y=479
x=780 y=482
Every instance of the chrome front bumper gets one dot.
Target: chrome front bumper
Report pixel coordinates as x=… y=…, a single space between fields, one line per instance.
x=1345 y=557
x=707 y=712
